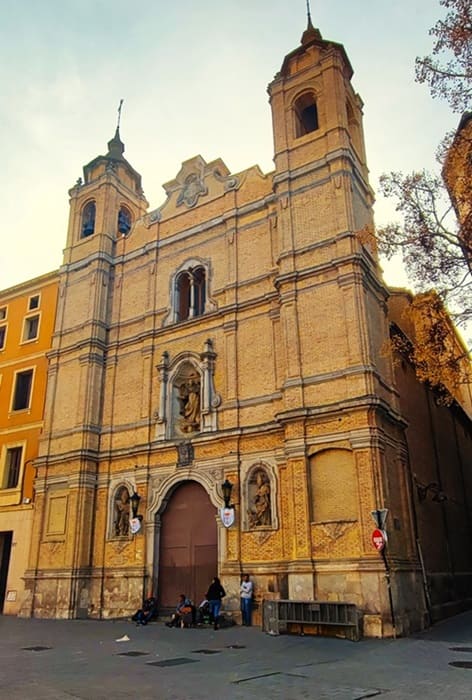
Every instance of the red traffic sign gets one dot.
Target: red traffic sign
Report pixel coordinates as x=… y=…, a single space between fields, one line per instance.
x=378 y=539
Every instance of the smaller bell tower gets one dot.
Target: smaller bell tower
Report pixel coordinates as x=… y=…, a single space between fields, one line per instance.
x=103 y=208
x=104 y=204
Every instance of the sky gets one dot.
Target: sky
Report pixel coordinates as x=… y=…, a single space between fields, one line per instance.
x=193 y=76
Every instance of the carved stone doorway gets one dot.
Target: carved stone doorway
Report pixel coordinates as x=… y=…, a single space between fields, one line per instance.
x=188 y=551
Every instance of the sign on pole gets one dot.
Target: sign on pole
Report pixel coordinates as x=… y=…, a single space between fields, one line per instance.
x=378 y=539
x=380 y=516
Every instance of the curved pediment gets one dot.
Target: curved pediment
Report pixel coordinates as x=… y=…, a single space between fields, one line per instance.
x=196 y=182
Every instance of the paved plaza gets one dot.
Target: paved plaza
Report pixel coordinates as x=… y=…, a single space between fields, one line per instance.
x=81 y=659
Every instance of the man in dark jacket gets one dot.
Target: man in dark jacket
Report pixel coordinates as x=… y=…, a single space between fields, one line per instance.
x=147 y=612
x=214 y=595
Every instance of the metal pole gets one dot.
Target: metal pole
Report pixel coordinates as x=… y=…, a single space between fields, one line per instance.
x=389 y=588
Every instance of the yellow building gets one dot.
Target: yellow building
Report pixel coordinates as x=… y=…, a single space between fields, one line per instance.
x=237 y=333
x=27 y=316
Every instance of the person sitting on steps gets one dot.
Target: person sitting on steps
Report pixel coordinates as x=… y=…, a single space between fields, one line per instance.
x=147 y=612
x=184 y=613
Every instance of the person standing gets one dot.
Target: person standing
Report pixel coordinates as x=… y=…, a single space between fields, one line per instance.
x=246 y=593
x=214 y=595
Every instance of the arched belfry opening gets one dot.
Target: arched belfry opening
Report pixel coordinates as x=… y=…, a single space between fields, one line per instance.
x=188 y=553
x=124 y=221
x=306 y=114
x=88 y=219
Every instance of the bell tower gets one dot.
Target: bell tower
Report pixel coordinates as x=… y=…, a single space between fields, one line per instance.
x=317 y=126
x=331 y=297
x=104 y=204
x=103 y=208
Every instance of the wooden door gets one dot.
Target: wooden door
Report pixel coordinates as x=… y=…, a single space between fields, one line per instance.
x=188 y=553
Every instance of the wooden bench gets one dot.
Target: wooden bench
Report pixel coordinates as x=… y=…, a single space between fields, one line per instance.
x=311 y=617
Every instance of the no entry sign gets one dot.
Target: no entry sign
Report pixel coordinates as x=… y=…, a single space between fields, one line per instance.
x=378 y=539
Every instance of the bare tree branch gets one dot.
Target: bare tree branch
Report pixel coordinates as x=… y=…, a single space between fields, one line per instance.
x=452 y=80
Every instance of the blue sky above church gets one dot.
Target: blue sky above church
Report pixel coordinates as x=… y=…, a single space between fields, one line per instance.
x=193 y=77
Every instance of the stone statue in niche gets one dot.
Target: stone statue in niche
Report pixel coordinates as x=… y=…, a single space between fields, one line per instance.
x=122 y=509
x=260 y=513
x=189 y=402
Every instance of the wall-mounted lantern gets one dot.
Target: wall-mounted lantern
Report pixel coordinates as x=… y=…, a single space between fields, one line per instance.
x=227 y=488
x=227 y=513
x=135 y=520
x=135 y=499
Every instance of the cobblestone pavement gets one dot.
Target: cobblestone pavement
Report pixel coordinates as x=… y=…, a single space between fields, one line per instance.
x=81 y=659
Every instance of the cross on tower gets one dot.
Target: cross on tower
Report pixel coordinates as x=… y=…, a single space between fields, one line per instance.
x=119 y=113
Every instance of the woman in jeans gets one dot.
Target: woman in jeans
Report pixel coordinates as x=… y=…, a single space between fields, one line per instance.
x=214 y=595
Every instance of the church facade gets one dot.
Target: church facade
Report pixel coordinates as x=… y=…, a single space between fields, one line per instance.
x=235 y=334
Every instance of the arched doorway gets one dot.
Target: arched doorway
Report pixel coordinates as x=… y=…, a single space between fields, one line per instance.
x=188 y=552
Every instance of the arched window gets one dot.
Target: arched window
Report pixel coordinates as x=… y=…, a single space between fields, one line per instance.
x=88 y=219
x=200 y=290
x=183 y=296
x=124 y=221
x=306 y=115
x=190 y=293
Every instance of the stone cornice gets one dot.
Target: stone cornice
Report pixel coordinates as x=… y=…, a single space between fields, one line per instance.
x=340 y=154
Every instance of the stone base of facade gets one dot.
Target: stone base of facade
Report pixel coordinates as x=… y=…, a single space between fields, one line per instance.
x=91 y=594
x=118 y=593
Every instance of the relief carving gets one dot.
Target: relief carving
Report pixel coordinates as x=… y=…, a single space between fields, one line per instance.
x=120 y=546
x=157 y=481
x=193 y=188
x=230 y=183
x=152 y=218
x=262 y=537
x=216 y=474
x=54 y=547
x=185 y=454
x=335 y=530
